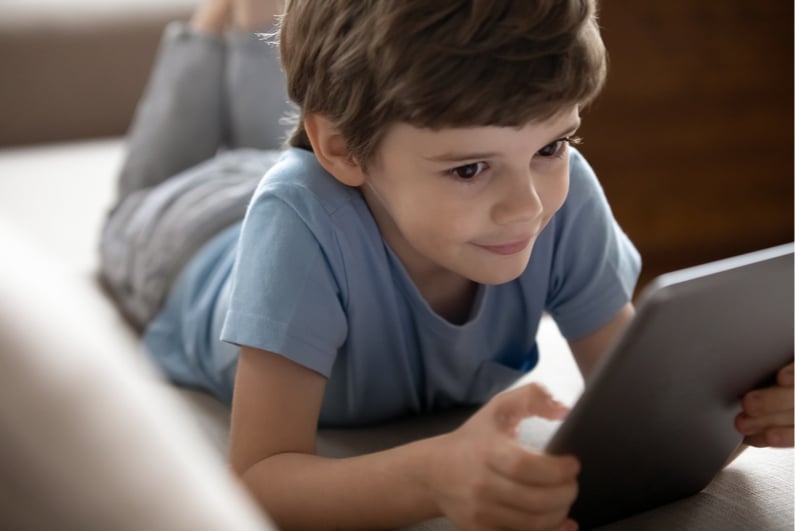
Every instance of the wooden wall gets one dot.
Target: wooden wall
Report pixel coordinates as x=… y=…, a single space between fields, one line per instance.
x=693 y=136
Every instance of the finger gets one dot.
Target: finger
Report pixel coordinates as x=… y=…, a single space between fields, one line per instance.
x=526 y=401
x=497 y=517
x=533 y=498
x=551 y=520
x=750 y=425
x=568 y=525
x=539 y=500
x=768 y=400
x=786 y=376
x=525 y=466
x=772 y=437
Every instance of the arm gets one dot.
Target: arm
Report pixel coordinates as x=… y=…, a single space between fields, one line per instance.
x=590 y=349
x=274 y=416
x=478 y=473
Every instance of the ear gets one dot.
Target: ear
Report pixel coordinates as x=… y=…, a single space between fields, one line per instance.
x=331 y=151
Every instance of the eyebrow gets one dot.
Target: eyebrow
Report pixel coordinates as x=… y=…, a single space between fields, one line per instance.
x=456 y=156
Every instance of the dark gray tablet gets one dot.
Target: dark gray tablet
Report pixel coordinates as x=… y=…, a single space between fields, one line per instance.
x=656 y=420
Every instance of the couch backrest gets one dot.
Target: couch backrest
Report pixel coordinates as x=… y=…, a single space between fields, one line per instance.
x=75 y=69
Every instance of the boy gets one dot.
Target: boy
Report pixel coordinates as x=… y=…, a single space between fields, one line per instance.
x=384 y=263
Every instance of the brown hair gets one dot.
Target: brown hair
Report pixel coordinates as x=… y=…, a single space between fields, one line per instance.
x=367 y=64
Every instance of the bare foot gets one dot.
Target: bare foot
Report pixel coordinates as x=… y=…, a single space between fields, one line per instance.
x=252 y=15
x=211 y=16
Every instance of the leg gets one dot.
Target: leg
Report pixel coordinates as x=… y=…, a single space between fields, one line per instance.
x=154 y=232
x=255 y=87
x=180 y=119
x=161 y=221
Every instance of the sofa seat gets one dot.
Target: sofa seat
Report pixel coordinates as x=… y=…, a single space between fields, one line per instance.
x=56 y=196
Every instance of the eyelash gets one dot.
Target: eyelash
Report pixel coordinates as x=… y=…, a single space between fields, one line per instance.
x=557 y=154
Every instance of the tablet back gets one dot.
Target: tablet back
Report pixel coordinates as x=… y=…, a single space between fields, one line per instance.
x=656 y=420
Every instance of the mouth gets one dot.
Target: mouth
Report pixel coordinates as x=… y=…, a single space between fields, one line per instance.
x=506 y=249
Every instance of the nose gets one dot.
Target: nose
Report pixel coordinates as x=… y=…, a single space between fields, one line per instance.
x=519 y=201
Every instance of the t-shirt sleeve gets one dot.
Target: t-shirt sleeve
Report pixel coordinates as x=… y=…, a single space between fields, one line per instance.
x=285 y=296
x=595 y=266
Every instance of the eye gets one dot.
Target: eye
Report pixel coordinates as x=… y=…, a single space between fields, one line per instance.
x=557 y=148
x=468 y=171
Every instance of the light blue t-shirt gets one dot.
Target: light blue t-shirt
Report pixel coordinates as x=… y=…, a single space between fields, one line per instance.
x=307 y=275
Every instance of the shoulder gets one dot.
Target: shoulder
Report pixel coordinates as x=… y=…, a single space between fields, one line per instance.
x=586 y=211
x=583 y=183
x=299 y=180
x=594 y=266
x=301 y=214
x=302 y=202
x=586 y=207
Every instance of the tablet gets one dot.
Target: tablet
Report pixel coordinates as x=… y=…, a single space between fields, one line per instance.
x=655 y=422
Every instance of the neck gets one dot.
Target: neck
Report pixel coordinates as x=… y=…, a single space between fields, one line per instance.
x=451 y=297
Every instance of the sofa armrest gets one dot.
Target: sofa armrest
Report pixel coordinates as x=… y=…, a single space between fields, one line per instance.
x=92 y=437
x=76 y=69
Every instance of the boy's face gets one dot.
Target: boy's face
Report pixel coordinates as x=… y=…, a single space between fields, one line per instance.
x=469 y=202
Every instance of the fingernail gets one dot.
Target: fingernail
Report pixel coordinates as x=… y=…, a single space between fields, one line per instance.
x=570 y=525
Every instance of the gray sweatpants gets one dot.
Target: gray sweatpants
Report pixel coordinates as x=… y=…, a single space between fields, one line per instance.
x=206 y=130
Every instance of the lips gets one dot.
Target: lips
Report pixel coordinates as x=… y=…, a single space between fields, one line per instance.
x=508 y=248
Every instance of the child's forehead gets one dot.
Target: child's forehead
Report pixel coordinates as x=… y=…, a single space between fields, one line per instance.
x=546 y=129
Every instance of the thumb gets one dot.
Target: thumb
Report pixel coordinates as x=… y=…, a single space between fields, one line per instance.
x=530 y=400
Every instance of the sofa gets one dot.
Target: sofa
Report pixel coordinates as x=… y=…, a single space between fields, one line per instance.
x=73 y=374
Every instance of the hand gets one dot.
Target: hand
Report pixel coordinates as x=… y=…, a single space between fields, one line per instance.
x=483 y=478
x=767 y=416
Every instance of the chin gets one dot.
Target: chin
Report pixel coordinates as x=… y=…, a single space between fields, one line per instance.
x=493 y=270
x=498 y=275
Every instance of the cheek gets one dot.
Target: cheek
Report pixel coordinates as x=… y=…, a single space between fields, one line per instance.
x=434 y=220
x=436 y=216
x=555 y=192
x=425 y=211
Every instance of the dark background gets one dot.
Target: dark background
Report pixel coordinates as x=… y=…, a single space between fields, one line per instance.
x=692 y=137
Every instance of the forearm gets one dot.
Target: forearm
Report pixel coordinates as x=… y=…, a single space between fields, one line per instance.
x=381 y=490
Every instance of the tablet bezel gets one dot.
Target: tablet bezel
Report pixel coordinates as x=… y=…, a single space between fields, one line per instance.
x=638 y=446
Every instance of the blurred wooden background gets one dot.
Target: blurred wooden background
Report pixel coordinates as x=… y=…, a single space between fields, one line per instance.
x=693 y=136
